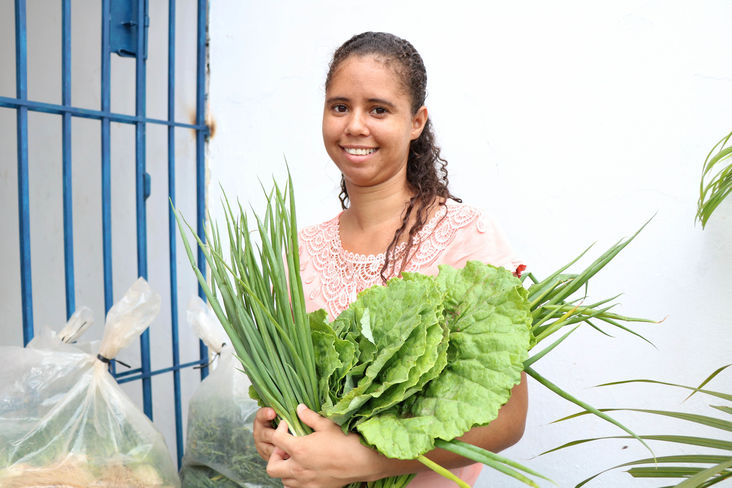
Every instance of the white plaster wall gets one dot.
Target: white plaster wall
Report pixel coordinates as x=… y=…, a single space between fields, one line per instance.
x=572 y=123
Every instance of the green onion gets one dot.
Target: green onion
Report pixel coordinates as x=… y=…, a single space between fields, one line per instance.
x=257 y=295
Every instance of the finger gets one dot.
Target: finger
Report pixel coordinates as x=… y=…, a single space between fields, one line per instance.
x=280 y=453
x=277 y=466
x=265 y=451
x=281 y=437
x=312 y=419
x=263 y=433
x=265 y=415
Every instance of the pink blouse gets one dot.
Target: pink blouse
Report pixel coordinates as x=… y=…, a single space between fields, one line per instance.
x=333 y=277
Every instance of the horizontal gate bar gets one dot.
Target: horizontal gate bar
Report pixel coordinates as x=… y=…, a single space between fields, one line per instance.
x=135 y=374
x=93 y=114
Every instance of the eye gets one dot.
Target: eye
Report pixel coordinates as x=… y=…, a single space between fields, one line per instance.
x=379 y=111
x=339 y=108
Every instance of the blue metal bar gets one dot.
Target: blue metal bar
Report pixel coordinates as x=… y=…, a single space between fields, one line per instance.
x=21 y=89
x=106 y=165
x=121 y=378
x=51 y=108
x=200 y=152
x=128 y=372
x=172 y=236
x=141 y=196
x=66 y=157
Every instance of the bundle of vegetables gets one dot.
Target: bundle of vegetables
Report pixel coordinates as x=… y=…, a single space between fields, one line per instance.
x=394 y=364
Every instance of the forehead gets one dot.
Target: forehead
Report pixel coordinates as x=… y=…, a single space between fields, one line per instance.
x=367 y=72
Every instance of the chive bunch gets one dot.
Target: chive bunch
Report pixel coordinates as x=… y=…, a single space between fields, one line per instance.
x=262 y=311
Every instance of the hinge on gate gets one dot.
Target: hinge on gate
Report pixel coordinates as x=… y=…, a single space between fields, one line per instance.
x=123 y=31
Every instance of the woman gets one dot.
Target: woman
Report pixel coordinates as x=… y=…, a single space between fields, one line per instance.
x=398 y=215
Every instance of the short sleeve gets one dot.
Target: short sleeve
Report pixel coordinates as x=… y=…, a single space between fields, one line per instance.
x=483 y=240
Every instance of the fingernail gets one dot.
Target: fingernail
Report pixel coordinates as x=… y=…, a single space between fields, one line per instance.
x=301 y=407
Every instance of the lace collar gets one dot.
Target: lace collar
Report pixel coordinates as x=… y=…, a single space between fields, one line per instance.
x=338 y=275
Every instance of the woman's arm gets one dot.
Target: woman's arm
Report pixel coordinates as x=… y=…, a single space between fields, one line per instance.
x=329 y=458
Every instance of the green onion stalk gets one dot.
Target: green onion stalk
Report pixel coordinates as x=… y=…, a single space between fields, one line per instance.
x=261 y=310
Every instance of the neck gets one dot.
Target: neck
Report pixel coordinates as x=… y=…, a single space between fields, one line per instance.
x=373 y=207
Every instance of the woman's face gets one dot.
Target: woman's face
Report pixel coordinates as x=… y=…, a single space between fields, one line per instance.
x=368 y=123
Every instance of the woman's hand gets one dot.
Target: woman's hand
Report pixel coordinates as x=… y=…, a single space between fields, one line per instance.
x=263 y=432
x=324 y=459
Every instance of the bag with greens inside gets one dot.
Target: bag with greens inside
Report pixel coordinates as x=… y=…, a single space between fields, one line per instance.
x=66 y=423
x=220 y=449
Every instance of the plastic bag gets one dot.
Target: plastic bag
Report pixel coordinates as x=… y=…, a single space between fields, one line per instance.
x=78 y=323
x=220 y=449
x=64 y=421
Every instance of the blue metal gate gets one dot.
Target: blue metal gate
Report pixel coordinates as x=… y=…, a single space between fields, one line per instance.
x=124 y=32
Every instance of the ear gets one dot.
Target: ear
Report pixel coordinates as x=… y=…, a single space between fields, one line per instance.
x=418 y=121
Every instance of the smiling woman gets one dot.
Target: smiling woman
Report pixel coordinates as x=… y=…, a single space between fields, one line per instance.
x=398 y=215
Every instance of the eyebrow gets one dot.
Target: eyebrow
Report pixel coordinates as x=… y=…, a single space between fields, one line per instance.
x=379 y=101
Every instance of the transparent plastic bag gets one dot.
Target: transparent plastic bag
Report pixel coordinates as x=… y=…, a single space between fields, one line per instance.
x=78 y=323
x=64 y=421
x=220 y=449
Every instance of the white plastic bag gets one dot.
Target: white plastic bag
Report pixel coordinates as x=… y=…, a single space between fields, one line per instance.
x=78 y=323
x=220 y=448
x=64 y=421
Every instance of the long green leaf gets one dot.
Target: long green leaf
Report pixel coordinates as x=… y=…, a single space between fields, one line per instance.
x=496 y=462
x=725 y=396
x=584 y=405
x=478 y=454
x=546 y=350
x=707 y=380
x=678 y=439
x=699 y=419
x=442 y=471
x=684 y=458
x=714 y=190
x=706 y=474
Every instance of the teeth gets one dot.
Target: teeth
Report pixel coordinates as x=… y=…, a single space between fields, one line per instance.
x=359 y=151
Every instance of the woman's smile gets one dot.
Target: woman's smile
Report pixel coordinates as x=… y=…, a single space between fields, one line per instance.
x=360 y=151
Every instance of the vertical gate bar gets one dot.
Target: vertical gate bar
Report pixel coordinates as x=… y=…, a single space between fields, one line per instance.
x=200 y=146
x=21 y=89
x=66 y=157
x=106 y=163
x=172 y=235
x=140 y=177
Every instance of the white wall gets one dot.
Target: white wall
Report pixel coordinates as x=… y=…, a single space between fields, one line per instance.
x=571 y=122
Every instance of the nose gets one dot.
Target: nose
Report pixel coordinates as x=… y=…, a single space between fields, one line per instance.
x=357 y=124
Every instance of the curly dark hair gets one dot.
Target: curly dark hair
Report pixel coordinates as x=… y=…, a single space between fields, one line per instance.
x=426 y=170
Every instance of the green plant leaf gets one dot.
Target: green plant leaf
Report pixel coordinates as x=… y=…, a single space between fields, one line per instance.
x=491 y=459
x=714 y=186
x=488 y=317
x=706 y=474
x=562 y=393
x=684 y=458
x=679 y=439
x=725 y=396
x=699 y=419
x=707 y=380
